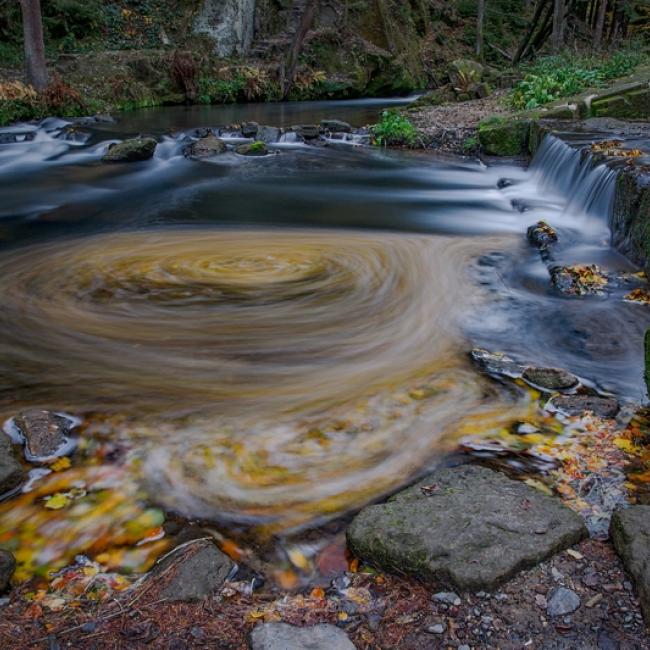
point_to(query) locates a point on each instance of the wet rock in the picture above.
(562, 601)
(256, 148)
(131, 150)
(307, 131)
(604, 407)
(206, 147)
(11, 471)
(542, 235)
(550, 378)
(282, 636)
(579, 280)
(45, 433)
(496, 363)
(7, 568)
(471, 530)
(250, 129)
(335, 126)
(630, 533)
(191, 571)
(268, 134)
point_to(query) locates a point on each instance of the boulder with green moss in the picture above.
(504, 136)
(257, 148)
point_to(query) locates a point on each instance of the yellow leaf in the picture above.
(298, 559)
(57, 501)
(538, 485)
(61, 464)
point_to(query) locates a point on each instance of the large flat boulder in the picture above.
(630, 532)
(282, 636)
(466, 526)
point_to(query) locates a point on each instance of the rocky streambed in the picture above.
(195, 439)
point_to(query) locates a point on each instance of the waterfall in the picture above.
(590, 186)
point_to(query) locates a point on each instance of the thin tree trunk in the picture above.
(292, 62)
(523, 46)
(479, 29)
(35, 67)
(558, 26)
(600, 24)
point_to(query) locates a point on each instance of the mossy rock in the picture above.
(627, 103)
(504, 137)
(253, 149)
(131, 150)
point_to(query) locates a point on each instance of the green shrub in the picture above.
(394, 129)
(552, 77)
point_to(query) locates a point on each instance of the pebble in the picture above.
(438, 628)
(562, 601)
(447, 597)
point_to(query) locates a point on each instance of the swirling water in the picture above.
(284, 339)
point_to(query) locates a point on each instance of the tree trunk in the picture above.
(523, 46)
(558, 26)
(35, 68)
(600, 25)
(292, 62)
(479, 29)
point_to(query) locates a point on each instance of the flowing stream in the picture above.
(281, 340)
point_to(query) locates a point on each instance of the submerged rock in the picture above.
(579, 280)
(562, 601)
(206, 147)
(542, 235)
(604, 407)
(468, 526)
(7, 568)
(191, 571)
(45, 433)
(131, 150)
(253, 149)
(630, 533)
(11, 471)
(282, 636)
(335, 126)
(550, 378)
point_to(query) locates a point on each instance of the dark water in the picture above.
(282, 339)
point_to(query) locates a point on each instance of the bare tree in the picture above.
(479, 29)
(35, 68)
(304, 26)
(600, 25)
(558, 25)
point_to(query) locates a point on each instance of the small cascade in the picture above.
(559, 168)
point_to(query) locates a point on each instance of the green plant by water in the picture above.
(394, 128)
